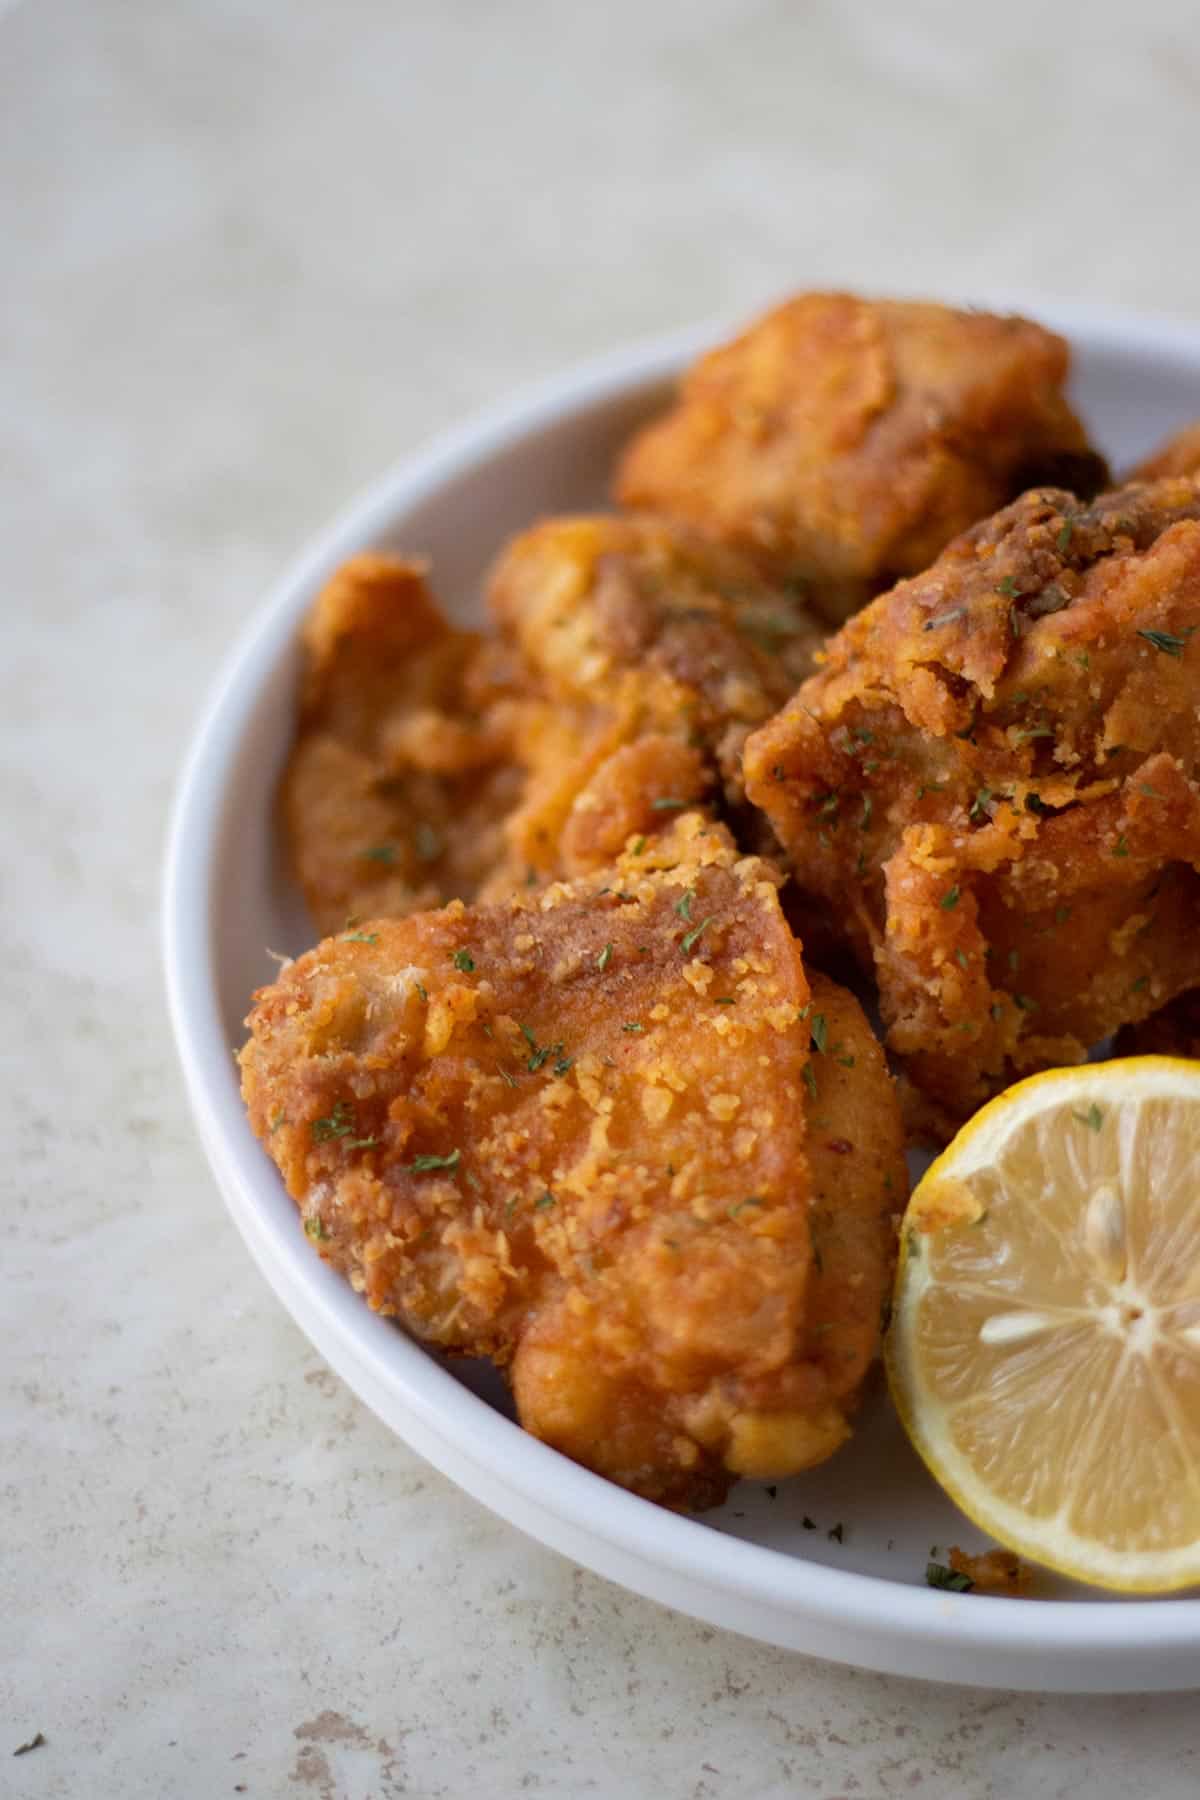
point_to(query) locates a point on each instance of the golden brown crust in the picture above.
(1180, 455)
(567, 1132)
(843, 442)
(634, 628)
(402, 769)
(993, 783)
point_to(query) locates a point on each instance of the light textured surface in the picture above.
(251, 254)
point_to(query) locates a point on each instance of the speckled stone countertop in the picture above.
(251, 255)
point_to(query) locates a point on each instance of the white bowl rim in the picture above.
(1097, 1631)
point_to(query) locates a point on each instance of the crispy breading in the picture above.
(992, 783)
(630, 628)
(403, 767)
(567, 1132)
(843, 442)
(1179, 455)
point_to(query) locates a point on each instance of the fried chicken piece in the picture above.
(843, 442)
(1180, 455)
(992, 784)
(568, 1133)
(633, 629)
(402, 769)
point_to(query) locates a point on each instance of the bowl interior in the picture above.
(1132, 389)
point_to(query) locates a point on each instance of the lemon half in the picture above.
(1044, 1350)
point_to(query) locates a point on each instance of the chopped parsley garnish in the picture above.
(380, 853)
(692, 938)
(979, 805)
(421, 989)
(962, 959)
(638, 846)
(1167, 642)
(820, 1032)
(1025, 1002)
(1033, 731)
(810, 1080)
(1121, 847)
(667, 805)
(604, 958)
(1062, 542)
(462, 959)
(563, 1064)
(950, 898)
(360, 937)
(338, 1124)
(1035, 804)
(725, 1000)
(1061, 914)
(684, 906)
(633, 1025)
(421, 1165)
(315, 1228)
(938, 1575)
(868, 808)
(543, 1201)
(1008, 588)
(1093, 1118)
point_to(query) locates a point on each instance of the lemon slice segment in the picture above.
(1044, 1351)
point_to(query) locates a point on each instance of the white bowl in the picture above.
(754, 1566)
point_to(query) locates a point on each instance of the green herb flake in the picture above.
(1062, 542)
(1121, 847)
(820, 1032)
(979, 805)
(633, 1026)
(1008, 588)
(692, 938)
(725, 1000)
(379, 853)
(421, 1165)
(684, 906)
(564, 1064)
(360, 937)
(637, 846)
(604, 958)
(1093, 1118)
(315, 1228)
(810, 1080)
(667, 805)
(1061, 914)
(868, 807)
(937, 1575)
(462, 959)
(422, 990)
(962, 959)
(1167, 642)
(509, 1080)
(544, 1201)
(339, 1124)
(1025, 1002)
(950, 898)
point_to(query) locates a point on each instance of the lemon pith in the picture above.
(1044, 1353)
